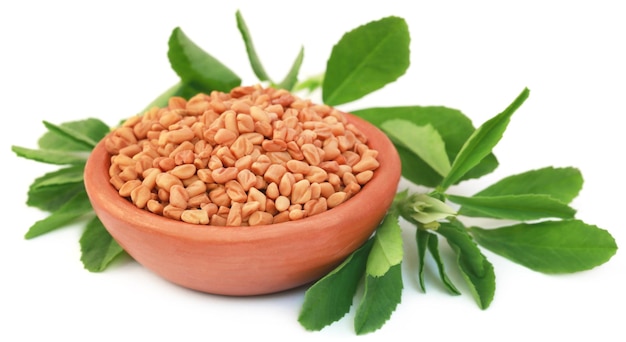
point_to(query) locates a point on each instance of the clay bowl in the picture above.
(243, 261)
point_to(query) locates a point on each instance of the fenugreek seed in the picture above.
(258, 114)
(217, 220)
(195, 216)
(226, 156)
(176, 102)
(311, 154)
(297, 166)
(184, 157)
(281, 217)
(179, 196)
(270, 206)
(253, 137)
(169, 118)
(316, 175)
(264, 128)
(166, 181)
(128, 187)
(364, 177)
(255, 195)
(180, 135)
(366, 163)
(248, 208)
(172, 212)
(272, 190)
(348, 178)
(205, 175)
(224, 174)
(210, 208)
(316, 190)
(224, 136)
(245, 123)
(235, 191)
(219, 197)
(165, 163)
(317, 207)
(335, 181)
(326, 189)
(352, 188)
(294, 150)
(301, 192)
(247, 179)
(140, 196)
(130, 150)
(128, 173)
(163, 195)
(330, 166)
(234, 215)
(274, 145)
(351, 158)
(282, 203)
(274, 172)
(286, 183)
(184, 171)
(297, 214)
(149, 177)
(336, 199)
(244, 163)
(260, 218)
(198, 200)
(155, 206)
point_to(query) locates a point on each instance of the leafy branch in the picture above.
(438, 147)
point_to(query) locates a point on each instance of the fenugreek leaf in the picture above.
(477, 271)
(565, 246)
(380, 299)
(90, 130)
(453, 127)
(563, 184)
(514, 207)
(366, 59)
(481, 142)
(253, 57)
(387, 249)
(52, 190)
(425, 141)
(310, 84)
(78, 137)
(330, 298)
(433, 248)
(196, 67)
(70, 211)
(55, 157)
(421, 239)
(68, 175)
(291, 78)
(98, 247)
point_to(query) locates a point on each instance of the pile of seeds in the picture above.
(249, 157)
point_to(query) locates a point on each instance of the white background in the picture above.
(62, 60)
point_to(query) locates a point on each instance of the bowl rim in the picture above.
(386, 175)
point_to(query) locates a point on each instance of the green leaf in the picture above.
(453, 127)
(387, 249)
(424, 141)
(421, 238)
(255, 61)
(366, 59)
(310, 84)
(476, 269)
(551, 246)
(481, 143)
(98, 247)
(515, 207)
(196, 67)
(291, 78)
(65, 176)
(52, 190)
(562, 184)
(429, 241)
(56, 157)
(91, 129)
(382, 296)
(330, 298)
(73, 209)
(76, 136)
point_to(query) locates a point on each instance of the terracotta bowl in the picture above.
(243, 261)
